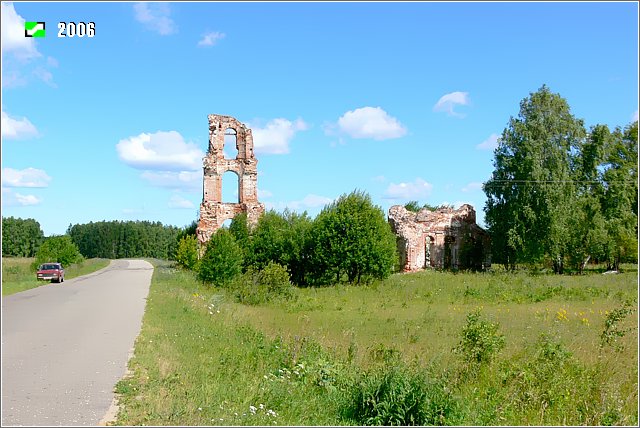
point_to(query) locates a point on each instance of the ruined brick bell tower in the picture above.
(213, 212)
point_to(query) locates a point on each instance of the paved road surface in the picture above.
(64, 346)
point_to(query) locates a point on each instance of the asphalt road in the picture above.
(64, 346)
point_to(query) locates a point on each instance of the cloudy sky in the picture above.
(402, 100)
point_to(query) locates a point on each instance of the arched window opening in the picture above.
(230, 188)
(230, 143)
(226, 223)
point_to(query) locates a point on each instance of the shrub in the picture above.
(612, 326)
(187, 253)
(59, 249)
(480, 339)
(222, 259)
(256, 287)
(352, 237)
(398, 395)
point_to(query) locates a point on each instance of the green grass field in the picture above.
(18, 274)
(202, 359)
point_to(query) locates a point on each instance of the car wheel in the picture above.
(62, 279)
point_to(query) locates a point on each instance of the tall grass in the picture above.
(18, 273)
(202, 359)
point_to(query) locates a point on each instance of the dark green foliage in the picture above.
(396, 395)
(20, 237)
(189, 230)
(187, 252)
(558, 193)
(120, 239)
(529, 193)
(480, 339)
(415, 206)
(351, 237)
(268, 240)
(620, 198)
(256, 287)
(240, 231)
(59, 249)
(222, 259)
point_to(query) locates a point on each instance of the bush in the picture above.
(352, 237)
(256, 287)
(397, 395)
(222, 259)
(187, 253)
(480, 339)
(59, 249)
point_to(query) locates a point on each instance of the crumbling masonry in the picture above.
(213, 212)
(443, 239)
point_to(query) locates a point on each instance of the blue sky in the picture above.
(402, 100)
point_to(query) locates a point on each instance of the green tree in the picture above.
(239, 228)
(587, 228)
(620, 199)
(20, 237)
(268, 240)
(187, 252)
(59, 249)
(352, 237)
(222, 259)
(531, 189)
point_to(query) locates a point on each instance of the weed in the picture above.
(612, 326)
(480, 339)
(398, 395)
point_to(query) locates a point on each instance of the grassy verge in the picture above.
(202, 359)
(18, 274)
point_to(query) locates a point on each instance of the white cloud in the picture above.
(635, 116)
(11, 199)
(156, 17)
(179, 202)
(309, 201)
(211, 38)
(490, 143)
(17, 128)
(473, 186)
(165, 151)
(447, 102)
(370, 122)
(45, 75)
(264, 194)
(13, 39)
(12, 79)
(52, 62)
(132, 211)
(187, 181)
(379, 179)
(274, 138)
(418, 189)
(29, 177)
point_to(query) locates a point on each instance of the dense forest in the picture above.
(123, 239)
(104, 239)
(21, 237)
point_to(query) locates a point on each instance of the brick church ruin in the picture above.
(213, 212)
(442, 239)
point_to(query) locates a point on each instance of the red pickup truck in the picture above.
(51, 271)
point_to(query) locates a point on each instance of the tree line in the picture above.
(125, 239)
(350, 240)
(559, 194)
(21, 237)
